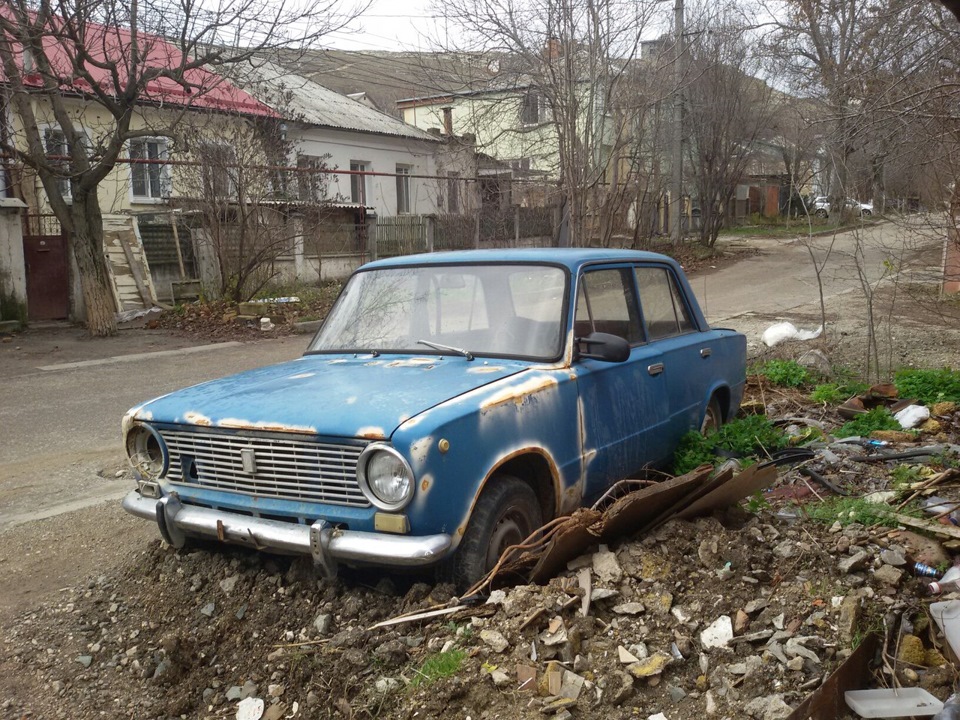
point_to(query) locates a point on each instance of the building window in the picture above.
(308, 179)
(358, 183)
(219, 169)
(520, 165)
(453, 192)
(150, 180)
(530, 108)
(58, 151)
(403, 189)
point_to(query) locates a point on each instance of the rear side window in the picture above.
(605, 303)
(663, 308)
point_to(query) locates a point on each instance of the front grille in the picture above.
(285, 468)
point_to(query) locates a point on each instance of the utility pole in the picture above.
(676, 163)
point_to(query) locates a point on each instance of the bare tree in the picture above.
(121, 57)
(727, 111)
(567, 57)
(834, 51)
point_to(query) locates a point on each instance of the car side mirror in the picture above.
(603, 346)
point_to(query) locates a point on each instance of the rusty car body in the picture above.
(450, 404)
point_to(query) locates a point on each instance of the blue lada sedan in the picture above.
(450, 405)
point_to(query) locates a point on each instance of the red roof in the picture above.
(107, 45)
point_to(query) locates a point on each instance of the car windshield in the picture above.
(497, 309)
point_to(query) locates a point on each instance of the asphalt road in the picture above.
(63, 396)
(60, 411)
(781, 277)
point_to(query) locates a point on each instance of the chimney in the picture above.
(448, 121)
(553, 49)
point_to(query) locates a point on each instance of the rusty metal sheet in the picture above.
(633, 512)
(695, 493)
(570, 541)
(827, 702)
(742, 485)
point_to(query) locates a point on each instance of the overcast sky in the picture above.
(388, 25)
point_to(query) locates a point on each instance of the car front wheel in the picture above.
(821, 213)
(506, 514)
(866, 213)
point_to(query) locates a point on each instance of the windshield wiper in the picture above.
(437, 346)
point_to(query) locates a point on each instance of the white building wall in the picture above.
(13, 278)
(382, 154)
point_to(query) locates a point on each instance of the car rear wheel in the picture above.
(506, 514)
(821, 213)
(712, 417)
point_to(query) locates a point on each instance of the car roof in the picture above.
(572, 258)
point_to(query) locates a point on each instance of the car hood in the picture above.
(330, 395)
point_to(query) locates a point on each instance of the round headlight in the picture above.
(146, 452)
(385, 477)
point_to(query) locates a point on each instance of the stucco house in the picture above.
(38, 265)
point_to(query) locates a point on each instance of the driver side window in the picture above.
(606, 303)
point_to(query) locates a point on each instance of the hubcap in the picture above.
(511, 529)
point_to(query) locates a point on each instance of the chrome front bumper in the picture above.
(324, 543)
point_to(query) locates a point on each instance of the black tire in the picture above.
(865, 213)
(712, 417)
(821, 213)
(506, 514)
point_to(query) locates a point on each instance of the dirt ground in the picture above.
(106, 622)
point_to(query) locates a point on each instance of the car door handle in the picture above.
(705, 352)
(655, 369)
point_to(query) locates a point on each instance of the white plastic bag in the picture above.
(778, 332)
(912, 415)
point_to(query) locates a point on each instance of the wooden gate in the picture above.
(47, 266)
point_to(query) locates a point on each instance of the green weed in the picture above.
(785, 373)
(848, 510)
(742, 437)
(757, 502)
(835, 393)
(438, 666)
(905, 475)
(929, 386)
(877, 419)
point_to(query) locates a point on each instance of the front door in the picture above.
(623, 405)
(48, 288)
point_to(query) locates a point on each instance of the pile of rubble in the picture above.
(755, 611)
(731, 616)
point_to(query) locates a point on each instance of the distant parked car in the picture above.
(821, 207)
(449, 406)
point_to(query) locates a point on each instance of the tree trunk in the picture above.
(87, 241)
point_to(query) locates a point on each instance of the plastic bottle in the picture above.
(950, 582)
(936, 505)
(951, 709)
(924, 570)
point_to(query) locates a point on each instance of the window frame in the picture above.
(676, 294)
(308, 182)
(358, 183)
(66, 191)
(164, 179)
(454, 203)
(404, 196)
(231, 179)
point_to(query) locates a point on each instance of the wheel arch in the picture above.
(533, 466)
